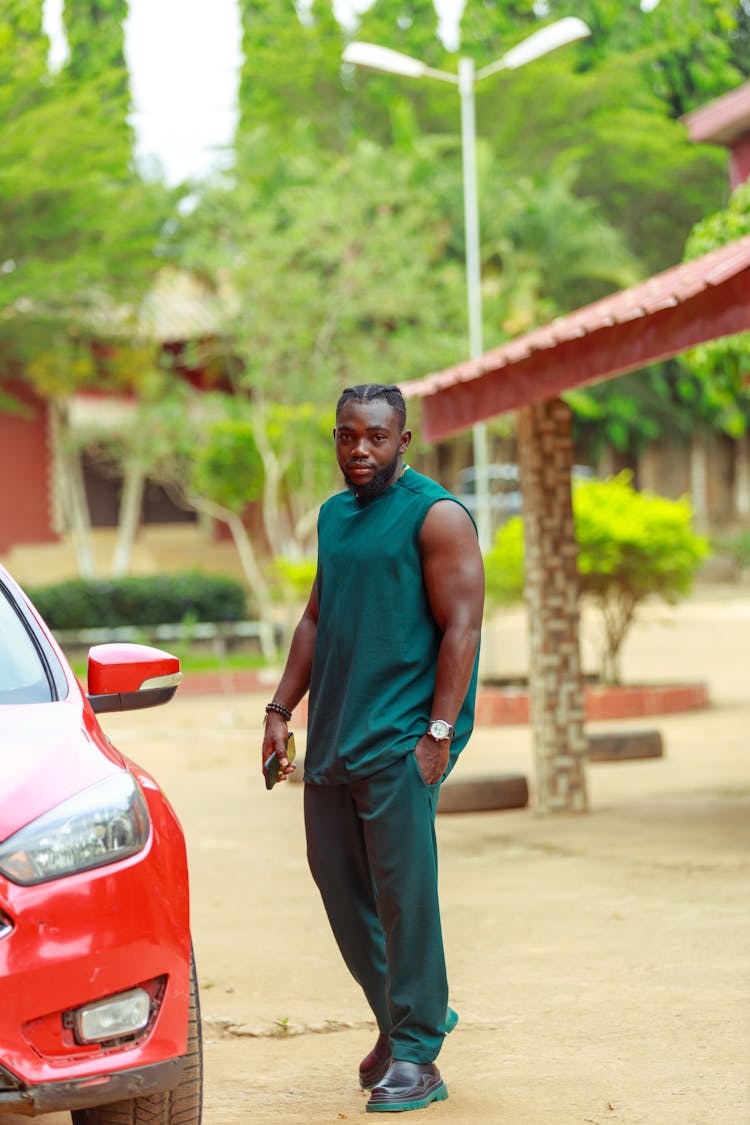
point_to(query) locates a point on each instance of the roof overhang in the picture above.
(689, 304)
(722, 121)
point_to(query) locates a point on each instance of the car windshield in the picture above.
(23, 677)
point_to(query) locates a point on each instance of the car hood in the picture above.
(48, 752)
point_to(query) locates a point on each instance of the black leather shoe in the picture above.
(407, 1085)
(375, 1065)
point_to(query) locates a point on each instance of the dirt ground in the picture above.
(600, 964)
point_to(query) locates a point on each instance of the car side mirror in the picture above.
(129, 677)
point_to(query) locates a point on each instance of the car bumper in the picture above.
(88, 937)
(82, 1093)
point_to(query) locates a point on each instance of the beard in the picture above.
(376, 485)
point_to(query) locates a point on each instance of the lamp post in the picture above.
(374, 57)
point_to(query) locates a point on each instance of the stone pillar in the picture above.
(555, 680)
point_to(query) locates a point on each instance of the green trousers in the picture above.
(373, 854)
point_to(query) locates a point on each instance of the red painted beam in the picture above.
(718, 310)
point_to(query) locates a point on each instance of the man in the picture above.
(388, 647)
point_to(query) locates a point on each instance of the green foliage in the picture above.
(721, 367)
(342, 269)
(95, 33)
(409, 26)
(489, 28)
(300, 437)
(687, 51)
(631, 546)
(648, 179)
(290, 75)
(338, 237)
(637, 542)
(371, 249)
(630, 412)
(161, 600)
(227, 467)
(504, 564)
(296, 576)
(609, 104)
(546, 250)
(78, 230)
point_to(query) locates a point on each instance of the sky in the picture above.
(184, 58)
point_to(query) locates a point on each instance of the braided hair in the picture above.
(366, 392)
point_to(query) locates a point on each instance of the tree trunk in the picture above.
(699, 480)
(129, 519)
(273, 521)
(550, 556)
(742, 478)
(72, 490)
(250, 567)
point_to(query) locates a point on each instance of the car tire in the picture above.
(181, 1106)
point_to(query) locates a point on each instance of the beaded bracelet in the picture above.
(280, 709)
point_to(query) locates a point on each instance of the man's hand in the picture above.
(274, 742)
(432, 758)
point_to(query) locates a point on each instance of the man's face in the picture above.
(369, 445)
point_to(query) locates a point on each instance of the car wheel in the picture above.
(181, 1106)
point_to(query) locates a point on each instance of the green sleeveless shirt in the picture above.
(375, 657)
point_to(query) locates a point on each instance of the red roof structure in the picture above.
(686, 305)
(726, 121)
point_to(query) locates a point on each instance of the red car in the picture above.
(98, 998)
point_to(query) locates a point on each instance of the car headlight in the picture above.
(107, 822)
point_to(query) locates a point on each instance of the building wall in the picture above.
(25, 515)
(665, 468)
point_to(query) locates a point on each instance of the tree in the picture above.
(546, 249)
(391, 109)
(95, 31)
(687, 51)
(290, 78)
(627, 414)
(649, 180)
(631, 546)
(201, 447)
(96, 40)
(78, 238)
(714, 376)
(334, 274)
(722, 366)
(409, 26)
(22, 22)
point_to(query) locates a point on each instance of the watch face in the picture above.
(440, 729)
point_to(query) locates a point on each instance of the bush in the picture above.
(296, 576)
(631, 545)
(164, 599)
(504, 564)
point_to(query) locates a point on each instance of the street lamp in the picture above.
(373, 57)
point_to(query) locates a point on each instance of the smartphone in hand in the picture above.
(271, 766)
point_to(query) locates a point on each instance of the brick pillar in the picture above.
(555, 682)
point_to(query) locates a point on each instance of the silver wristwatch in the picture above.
(440, 730)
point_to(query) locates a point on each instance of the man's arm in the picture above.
(293, 684)
(454, 577)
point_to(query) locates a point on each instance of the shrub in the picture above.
(296, 576)
(504, 564)
(159, 600)
(631, 545)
